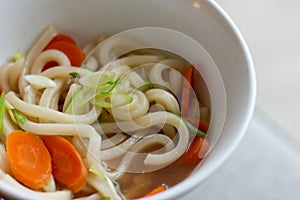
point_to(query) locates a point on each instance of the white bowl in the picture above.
(204, 21)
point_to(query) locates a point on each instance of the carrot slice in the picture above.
(62, 37)
(157, 190)
(186, 90)
(68, 167)
(198, 146)
(49, 65)
(29, 159)
(74, 52)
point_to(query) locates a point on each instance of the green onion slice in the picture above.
(96, 80)
(17, 56)
(190, 126)
(112, 100)
(95, 171)
(146, 86)
(74, 74)
(2, 110)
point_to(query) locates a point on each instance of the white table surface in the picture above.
(266, 164)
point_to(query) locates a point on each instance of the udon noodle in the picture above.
(123, 116)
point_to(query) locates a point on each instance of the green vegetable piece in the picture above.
(190, 126)
(105, 198)
(110, 87)
(74, 75)
(17, 56)
(19, 116)
(146, 86)
(2, 110)
(112, 100)
(95, 171)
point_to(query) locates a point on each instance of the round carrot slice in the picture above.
(29, 159)
(68, 167)
(74, 52)
(63, 37)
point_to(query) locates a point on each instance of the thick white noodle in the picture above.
(156, 75)
(137, 108)
(4, 164)
(136, 148)
(47, 56)
(135, 60)
(8, 180)
(64, 72)
(14, 74)
(37, 48)
(31, 95)
(175, 80)
(49, 98)
(101, 185)
(113, 141)
(4, 85)
(149, 120)
(135, 80)
(118, 150)
(52, 115)
(163, 98)
(73, 88)
(9, 126)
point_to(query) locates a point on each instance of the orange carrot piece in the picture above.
(74, 52)
(62, 37)
(157, 190)
(58, 38)
(29, 159)
(186, 90)
(191, 156)
(68, 167)
(198, 146)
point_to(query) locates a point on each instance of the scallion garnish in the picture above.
(190, 126)
(17, 56)
(146, 86)
(112, 100)
(105, 198)
(74, 74)
(2, 110)
(17, 116)
(95, 171)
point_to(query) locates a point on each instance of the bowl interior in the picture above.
(205, 22)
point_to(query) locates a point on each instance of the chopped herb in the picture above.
(146, 86)
(110, 87)
(2, 110)
(74, 75)
(105, 101)
(95, 171)
(193, 129)
(17, 56)
(105, 198)
(19, 116)
(190, 126)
